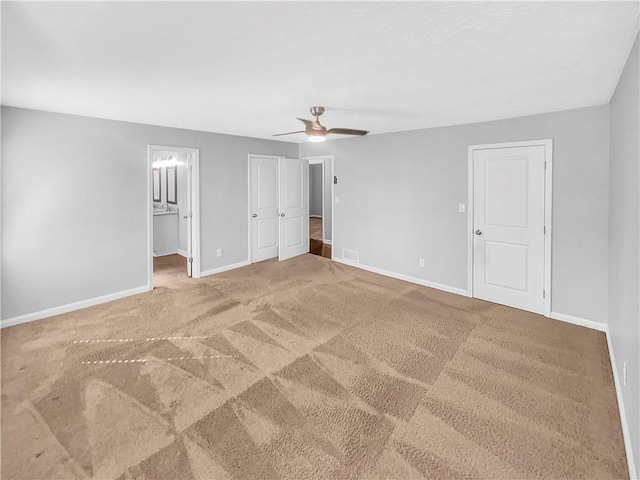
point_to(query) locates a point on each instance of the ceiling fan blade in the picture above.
(347, 131)
(288, 133)
(311, 125)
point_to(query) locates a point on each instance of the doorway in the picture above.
(321, 181)
(278, 207)
(509, 259)
(174, 247)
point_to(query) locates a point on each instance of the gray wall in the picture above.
(75, 204)
(399, 196)
(315, 189)
(624, 243)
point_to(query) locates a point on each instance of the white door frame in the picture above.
(194, 178)
(249, 211)
(548, 190)
(324, 159)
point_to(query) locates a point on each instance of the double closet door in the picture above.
(279, 207)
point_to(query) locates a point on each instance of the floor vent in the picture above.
(352, 255)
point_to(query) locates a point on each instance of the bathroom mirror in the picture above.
(172, 185)
(157, 185)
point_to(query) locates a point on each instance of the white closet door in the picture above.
(294, 207)
(509, 208)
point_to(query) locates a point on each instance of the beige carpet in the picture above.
(169, 269)
(306, 369)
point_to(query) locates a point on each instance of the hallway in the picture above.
(316, 245)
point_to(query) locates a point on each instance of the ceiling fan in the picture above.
(317, 132)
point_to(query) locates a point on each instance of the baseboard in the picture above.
(315, 216)
(328, 242)
(166, 254)
(182, 253)
(50, 312)
(557, 316)
(603, 327)
(406, 278)
(226, 268)
(626, 435)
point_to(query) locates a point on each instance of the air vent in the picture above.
(352, 255)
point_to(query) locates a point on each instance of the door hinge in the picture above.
(190, 168)
(190, 259)
(544, 229)
(544, 293)
(545, 165)
(190, 213)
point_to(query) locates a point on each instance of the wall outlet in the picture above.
(219, 252)
(624, 374)
(422, 263)
(461, 207)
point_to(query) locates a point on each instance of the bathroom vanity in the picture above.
(165, 232)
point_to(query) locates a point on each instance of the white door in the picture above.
(508, 225)
(264, 207)
(189, 215)
(294, 207)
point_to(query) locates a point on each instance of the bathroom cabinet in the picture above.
(165, 233)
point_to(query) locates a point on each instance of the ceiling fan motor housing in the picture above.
(317, 111)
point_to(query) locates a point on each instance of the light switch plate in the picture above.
(461, 207)
(337, 199)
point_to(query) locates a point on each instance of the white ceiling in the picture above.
(252, 68)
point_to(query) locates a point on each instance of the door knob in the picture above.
(254, 215)
(478, 232)
(282, 214)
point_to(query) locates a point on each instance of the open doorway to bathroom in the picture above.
(174, 252)
(321, 181)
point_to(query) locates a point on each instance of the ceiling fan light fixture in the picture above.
(317, 138)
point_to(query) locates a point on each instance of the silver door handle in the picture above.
(478, 232)
(254, 215)
(282, 214)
